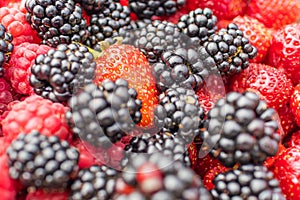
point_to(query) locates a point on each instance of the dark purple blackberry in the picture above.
(247, 182)
(145, 9)
(156, 176)
(59, 73)
(163, 142)
(157, 37)
(198, 24)
(6, 47)
(230, 50)
(102, 114)
(179, 112)
(241, 129)
(57, 22)
(92, 6)
(184, 67)
(113, 20)
(95, 182)
(38, 161)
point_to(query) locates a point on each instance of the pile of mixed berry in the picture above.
(149, 99)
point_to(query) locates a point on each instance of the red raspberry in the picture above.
(257, 33)
(43, 195)
(15, 22)
(21, 60)
(222, 9)
(7, 185)
(284, 52)
(36, 113)
(270, 83)
(274, 13)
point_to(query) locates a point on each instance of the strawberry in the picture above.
(210, 175)
(287, 120)
(287, 171)
(269, 162)
(274, 13)
(127, 62)
(295, 103)
(294, 140)
(257, 33)
(270, 83)
(222, 9)
(44, 195)
(284, 52)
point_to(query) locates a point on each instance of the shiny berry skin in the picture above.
(274, 13)
(271, 84)
(284, 52)
(295, 103)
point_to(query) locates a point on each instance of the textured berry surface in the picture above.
(19, 69)
(127, 62)
(43, 195)
(23, 116)
(295, 103)
(284, 52)
(286, 170)
(274, 13)
(271, 84)
(257, 33)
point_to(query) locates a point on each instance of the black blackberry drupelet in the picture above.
(57, 22)
(230, 50)
(158, 37)
(247, 182)
(145, 9)
(241, 129)
(198, 24)
(163, 142)
(95, 182)
(92, 6)
(183, 67)
(111, 21)
(180, 113)
(62, 71)
(156, 176)
(102, 115)
(6, 47)
(38, 161)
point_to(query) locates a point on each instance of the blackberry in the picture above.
(156, 176)
(102, 114)
(113, 20)
(95, 182)
(230, 50)
(59, 73)
(145, 9)
(91, 6)
(158, 37)
(38, 161)
(179, 112)
(164, 142)
(241, 129)
(6, 47)
(184, 67)
(247, 182)
(198, 24)
(57, 22)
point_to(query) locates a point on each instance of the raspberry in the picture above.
(36, 113)
(19, 68)
(7, 187)
(15, 22)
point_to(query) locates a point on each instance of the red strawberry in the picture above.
(258, 35)
(269, 162)
(294, 140)
(270, 83)
(222, 9)
(295, 103)
(127, 62)
(43, 195)
(274, 13)
(19, 69)
(287, 119)
(36, 113)
(287, 171)
(210, 175)
(284, 52)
